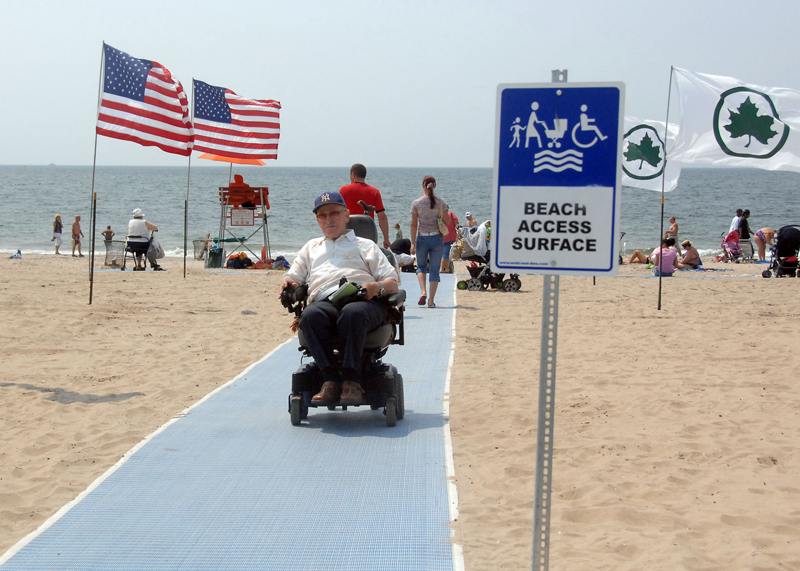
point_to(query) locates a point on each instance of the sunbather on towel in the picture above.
(691, 257)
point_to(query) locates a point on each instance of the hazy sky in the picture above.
(385, 83)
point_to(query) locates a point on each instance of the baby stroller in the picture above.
(731, 252)
(481, 276)
(783, 255)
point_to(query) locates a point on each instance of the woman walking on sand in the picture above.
(427, 242)
(58, 227)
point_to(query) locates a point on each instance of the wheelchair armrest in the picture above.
(396, 299)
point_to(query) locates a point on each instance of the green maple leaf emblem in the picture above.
(746, 121)
(644, 151)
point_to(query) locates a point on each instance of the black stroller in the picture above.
(481, 276)
(783, 255)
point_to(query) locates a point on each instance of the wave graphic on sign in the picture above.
(557, 162)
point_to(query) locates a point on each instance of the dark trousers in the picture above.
(322, 320)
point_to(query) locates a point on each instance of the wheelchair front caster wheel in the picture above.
(766, 274)
(296, 410)
(391, 412)
(462, 284)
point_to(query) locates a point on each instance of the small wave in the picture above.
(558, 162)
(558, 155)
(558, 169)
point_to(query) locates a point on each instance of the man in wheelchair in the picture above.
(320, 265)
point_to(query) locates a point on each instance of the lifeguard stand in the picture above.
(244, 206)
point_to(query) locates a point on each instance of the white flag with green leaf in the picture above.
(726, 122)
(644, 153)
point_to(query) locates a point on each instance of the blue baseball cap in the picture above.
(328, 198)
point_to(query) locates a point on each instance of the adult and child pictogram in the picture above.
(584, 134)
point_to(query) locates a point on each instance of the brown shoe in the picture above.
(329, 393)
(352, 393)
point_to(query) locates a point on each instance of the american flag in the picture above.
(143, 103)
(231, 126)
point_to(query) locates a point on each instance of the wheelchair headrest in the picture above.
(363, 226)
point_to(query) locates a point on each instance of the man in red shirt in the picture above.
(359, 190)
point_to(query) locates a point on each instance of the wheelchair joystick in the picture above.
(294, 299)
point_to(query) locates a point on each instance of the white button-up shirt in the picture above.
(322, 262)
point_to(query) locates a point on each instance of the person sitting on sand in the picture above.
(691, 257)
(665, 258)
(638, 257)
(320, 264)
(764, 238)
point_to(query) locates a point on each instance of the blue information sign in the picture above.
(557, 178)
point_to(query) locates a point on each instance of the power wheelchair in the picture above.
(382, 383)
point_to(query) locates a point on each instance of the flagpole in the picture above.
(186, 202)
(663, 184)
(93, 203)
(186, 215)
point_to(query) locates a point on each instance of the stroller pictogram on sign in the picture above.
(560, 127)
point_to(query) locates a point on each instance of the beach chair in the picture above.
(138, 251)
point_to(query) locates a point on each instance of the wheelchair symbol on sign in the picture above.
(586, 124)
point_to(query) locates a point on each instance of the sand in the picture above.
(675, 430)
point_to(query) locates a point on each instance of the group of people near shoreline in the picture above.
(763, 237)
(77, 234)
(666, 260)
(429, 244)
(137, 232)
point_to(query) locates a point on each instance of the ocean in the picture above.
(31, 196)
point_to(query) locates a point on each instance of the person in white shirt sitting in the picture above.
(139, 231)
(320, 264)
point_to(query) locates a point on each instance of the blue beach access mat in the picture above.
(232, 485)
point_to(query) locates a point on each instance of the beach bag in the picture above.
(156, 247)
(442, 224)
(456, 250)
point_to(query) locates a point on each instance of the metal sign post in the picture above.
(555, 212)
